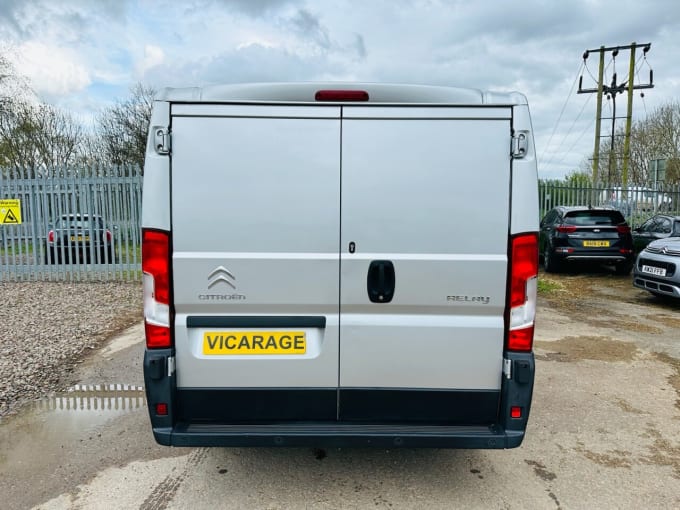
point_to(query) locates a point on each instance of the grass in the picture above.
(15, 249)
(548, 286)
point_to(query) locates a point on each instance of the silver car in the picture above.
(657, 268)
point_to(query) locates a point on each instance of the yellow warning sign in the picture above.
(10, 211)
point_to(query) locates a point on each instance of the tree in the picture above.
(655, 137)
(38, 137)
(122, 129)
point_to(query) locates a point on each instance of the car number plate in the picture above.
(80, 238)
(596, 244)
(658, 271)
(254, 342)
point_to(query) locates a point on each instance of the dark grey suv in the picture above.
(598, 235)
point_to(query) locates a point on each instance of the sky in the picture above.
(83, 55)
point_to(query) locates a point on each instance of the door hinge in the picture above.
(507, 368)
(520, 144)
(161, 137)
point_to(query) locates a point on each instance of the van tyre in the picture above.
(549, 263)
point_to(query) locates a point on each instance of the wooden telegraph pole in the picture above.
(611, 91)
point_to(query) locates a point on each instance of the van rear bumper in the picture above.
(339, 435)
(309, 417)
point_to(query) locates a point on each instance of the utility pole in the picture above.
(611, 91)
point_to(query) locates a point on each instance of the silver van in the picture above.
(339, 264)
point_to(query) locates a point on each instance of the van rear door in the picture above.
(425, 223)
(255, 235)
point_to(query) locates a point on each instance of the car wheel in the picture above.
(624, 268)
(549, 263)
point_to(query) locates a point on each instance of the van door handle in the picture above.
(380, 281)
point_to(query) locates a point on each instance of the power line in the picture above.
(573, 85)
(564, 139)
(569, 151)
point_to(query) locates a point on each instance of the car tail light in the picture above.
(566, 229)
(623, 229)
(156, 275)
(108, 236)
(522, 293)
(50, 236)
(341, 95)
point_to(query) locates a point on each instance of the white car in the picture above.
(657, 268)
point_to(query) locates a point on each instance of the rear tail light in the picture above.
(566, 229)
(522, 294)
(623, 229)
(108, 236)
(156, 275)
(50, 236)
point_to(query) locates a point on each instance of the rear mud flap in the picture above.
(516, 393)
(159, 381)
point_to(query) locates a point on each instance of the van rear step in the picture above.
(339, 435)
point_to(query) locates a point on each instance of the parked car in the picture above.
(659, 226)
(657, 268)
(78, 238)
(636, 198)
(586, 234)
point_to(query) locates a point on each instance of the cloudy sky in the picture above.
(84, 54)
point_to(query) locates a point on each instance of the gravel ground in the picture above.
(46, 328)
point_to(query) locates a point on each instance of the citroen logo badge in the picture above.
(221, 274)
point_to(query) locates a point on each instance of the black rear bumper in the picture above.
(385, 418)
(339, 435)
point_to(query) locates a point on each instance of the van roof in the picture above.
(305, 92)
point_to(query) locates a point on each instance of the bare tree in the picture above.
(123, 127)
(655, 137)
(38, 137)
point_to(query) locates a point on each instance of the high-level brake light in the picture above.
(341, 95)
(156, 275)
(522, 295)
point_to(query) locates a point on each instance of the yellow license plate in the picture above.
(254, 342)
(80, 238)
(596, 244)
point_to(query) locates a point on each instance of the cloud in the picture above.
(153, 56)
(256, 8)
(252, 63)
(360, 46)
(304, 23)
(52, 71)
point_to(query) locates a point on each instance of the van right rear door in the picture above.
(425, 222)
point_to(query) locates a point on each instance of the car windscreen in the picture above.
(79, 223)
(594, 218)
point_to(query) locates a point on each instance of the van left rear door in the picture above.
(255, 233)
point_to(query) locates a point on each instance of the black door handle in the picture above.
(380, 281)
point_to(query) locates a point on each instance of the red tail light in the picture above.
(522, 292)
(50, 236)
(341, 95)
(623, 229)
(566, 229)
(108, 236)
(156, 274)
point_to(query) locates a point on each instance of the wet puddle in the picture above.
(92, 400)
(75, 415)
